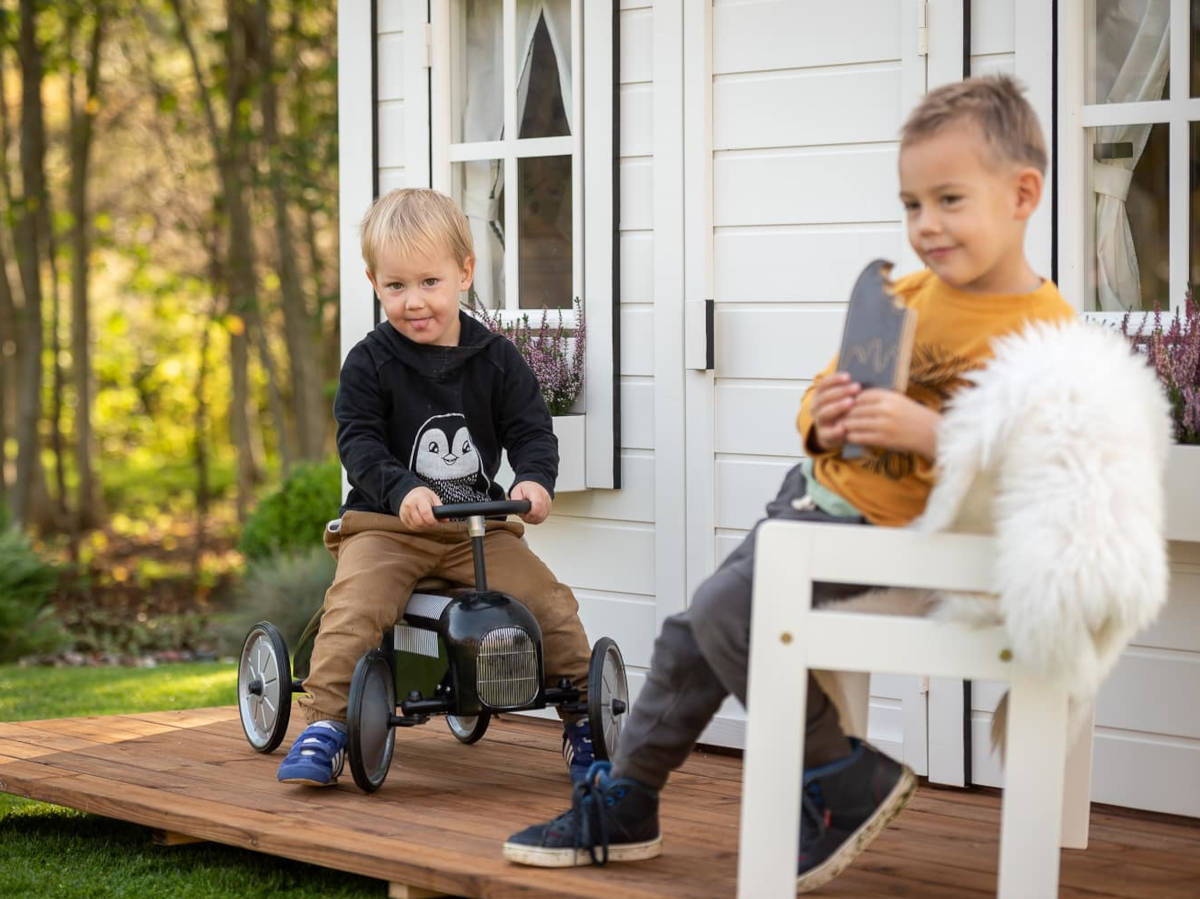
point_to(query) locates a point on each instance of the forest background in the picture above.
(168, 318)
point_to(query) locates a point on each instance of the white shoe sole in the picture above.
(891, 806)
(306, 782)
(541, 857)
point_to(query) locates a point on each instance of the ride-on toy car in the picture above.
(463, 652)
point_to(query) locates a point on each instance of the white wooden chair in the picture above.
(1046, 797)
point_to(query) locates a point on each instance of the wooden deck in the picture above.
(438, 822)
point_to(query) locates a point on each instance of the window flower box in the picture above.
(1183, 492)
(571, 432)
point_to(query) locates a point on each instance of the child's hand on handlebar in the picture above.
(539, 501)
(416, 511)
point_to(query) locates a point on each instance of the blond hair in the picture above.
(994, 103)
(415, 221)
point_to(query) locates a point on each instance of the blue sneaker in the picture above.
(317, 756)
(577, 749)
(610, 819)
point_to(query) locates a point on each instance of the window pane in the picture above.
(479, 189)
(544, 210)
(1194, 202)
(543, 68)
(1128, 50)
(477, 81)
(1129, 214)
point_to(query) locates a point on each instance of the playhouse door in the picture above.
(790, 118)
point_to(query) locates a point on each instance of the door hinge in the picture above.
(429, 45)
(922, 27)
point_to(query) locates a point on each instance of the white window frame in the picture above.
(1076, 116)
(591, 147)
(511, 148)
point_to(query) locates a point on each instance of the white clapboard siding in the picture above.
(775, 341)
(637, 339)
(391, 89)
(797, 262)
(784, 34)
(993, 41)
(637, 266)
(807, 185)
(758, 417)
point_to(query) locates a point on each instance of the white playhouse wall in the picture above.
(801, 193)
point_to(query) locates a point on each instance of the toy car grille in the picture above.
(506, 672)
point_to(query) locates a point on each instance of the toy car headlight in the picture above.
(506, 668)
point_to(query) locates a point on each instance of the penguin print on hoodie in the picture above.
(445, 457)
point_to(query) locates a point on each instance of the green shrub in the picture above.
(293, 517)
(285, 589)
(27, 583)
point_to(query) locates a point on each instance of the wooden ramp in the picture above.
(436, 825)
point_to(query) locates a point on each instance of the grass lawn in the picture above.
(46, 850)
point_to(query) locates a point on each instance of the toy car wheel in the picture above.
(469, 728)
(608, 697)
(370, 736)
(264, 687)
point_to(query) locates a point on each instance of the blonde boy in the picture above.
(972, 162)
(425, 404)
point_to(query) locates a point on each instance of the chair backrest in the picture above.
(1058, 448)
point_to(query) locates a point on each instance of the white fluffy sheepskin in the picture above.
(1059, 449)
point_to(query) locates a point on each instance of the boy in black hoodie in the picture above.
(425, 404)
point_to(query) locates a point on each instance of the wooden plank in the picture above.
(172, 838)
(437, 823)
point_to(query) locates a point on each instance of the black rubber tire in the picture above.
(607, 682)
(370, 735)
(264, 714)
(473, 729)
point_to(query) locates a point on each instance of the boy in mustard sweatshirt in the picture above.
(972, 162)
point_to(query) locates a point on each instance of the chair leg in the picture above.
(1031, 818)
(1077, 792)
(776, 698)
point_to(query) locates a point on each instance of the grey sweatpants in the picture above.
(701, 656)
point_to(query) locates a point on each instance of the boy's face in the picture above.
(419, 294)
(966, 210)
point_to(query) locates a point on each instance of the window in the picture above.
(1137, 136)
(522, 132)
(513, 159)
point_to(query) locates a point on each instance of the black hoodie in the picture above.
(412, 415)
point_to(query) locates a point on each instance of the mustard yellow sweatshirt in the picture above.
(954, 333)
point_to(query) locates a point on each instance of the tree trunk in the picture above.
(231, 156)
(30, 483)
(302, 346)
(88, 510)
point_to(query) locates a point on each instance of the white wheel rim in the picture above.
(259, 711)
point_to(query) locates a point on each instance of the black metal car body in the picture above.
(462, 652)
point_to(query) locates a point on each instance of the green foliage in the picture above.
(285, 589)
(293, 517)
(27, 582)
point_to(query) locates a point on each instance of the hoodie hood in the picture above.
(436, 362)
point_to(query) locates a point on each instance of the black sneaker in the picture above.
(609, 820)
(844, 806)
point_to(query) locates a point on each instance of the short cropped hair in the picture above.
(994, 103)
(415, 221)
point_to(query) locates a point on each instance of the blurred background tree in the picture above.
(168, 276)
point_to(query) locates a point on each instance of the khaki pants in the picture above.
(379, 561)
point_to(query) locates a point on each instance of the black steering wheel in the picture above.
(487, 510)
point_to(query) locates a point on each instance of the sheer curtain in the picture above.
(1132, 59)
(483, 120)
(483, 116)
(557, 14)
